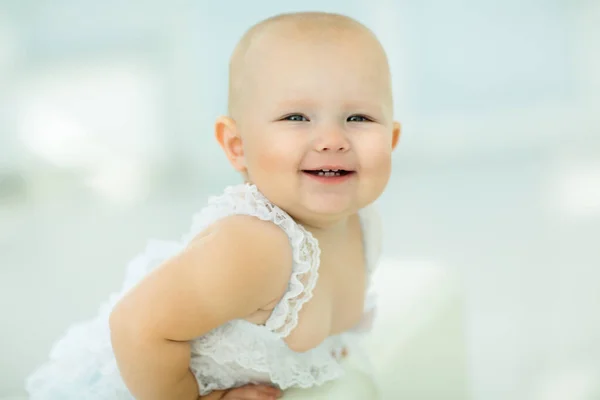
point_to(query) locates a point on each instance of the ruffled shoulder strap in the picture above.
(246, 199)
(305, 272)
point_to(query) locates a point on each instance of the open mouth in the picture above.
(328, 172)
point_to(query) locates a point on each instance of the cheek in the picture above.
(380, 171)
(376, 156)
(271, 156)
(375, 160)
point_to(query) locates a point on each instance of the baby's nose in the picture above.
(333, 140)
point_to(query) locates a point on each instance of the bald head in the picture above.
(286, 29)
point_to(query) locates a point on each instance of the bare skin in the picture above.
(308, 91)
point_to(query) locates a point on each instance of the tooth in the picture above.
(328, 172)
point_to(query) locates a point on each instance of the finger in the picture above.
(254, 392)
(268, 389)
(271, 390)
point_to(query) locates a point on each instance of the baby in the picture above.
(268, 292)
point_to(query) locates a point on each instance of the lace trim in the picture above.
(245, 199)
(218, 363)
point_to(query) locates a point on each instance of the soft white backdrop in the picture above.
(491, 275)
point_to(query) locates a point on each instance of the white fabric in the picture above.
(82, 364)
(355, 384)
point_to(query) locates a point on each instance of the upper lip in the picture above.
(330, 167)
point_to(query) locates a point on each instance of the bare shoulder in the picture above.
(234, 268)
(250, 236)
(257, 253)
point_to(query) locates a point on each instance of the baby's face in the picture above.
(310, 105)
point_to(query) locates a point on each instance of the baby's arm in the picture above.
(241, 265)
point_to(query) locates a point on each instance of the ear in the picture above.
(396, 134)
(227, 135)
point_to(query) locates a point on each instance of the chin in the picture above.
(332, 206)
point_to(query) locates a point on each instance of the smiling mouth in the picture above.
(328, 172)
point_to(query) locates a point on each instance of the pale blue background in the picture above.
(491, 279)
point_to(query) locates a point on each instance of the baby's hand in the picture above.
(252, 392)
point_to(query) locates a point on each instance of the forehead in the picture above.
(292, 68)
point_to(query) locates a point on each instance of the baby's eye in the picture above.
(295, 118)
(358, 118)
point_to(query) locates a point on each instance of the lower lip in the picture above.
(331, 180)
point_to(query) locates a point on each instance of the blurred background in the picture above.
(490, 280)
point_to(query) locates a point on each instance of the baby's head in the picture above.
(311, 92)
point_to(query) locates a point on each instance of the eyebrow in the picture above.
(295, 103)
(364, 105)
(351, 105)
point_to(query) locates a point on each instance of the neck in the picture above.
(328, 226)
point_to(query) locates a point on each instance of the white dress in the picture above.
(82, 365)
